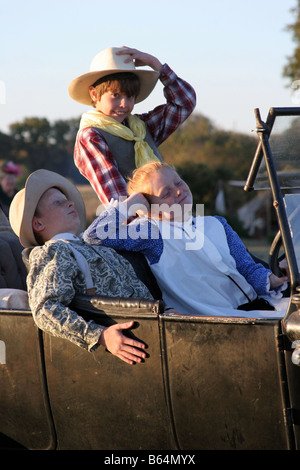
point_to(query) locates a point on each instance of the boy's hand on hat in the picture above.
(139, 58)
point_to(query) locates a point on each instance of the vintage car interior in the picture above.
(208, 383)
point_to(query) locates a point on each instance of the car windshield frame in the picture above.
(274, 168)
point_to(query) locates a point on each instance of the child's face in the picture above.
(166, 187)
(8, 183)
(115, 104)
(56, 213)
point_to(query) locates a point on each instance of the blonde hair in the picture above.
(139, 182)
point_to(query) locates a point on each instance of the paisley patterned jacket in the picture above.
(55, 276)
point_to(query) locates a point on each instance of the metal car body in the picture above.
(208, 383)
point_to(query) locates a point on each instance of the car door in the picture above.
(24, 409)
(227, 389)
(99, 401)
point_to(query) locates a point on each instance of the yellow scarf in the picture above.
(136, 131)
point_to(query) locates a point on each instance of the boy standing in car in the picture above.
(111, 141)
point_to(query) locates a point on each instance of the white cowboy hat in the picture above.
(107, 62)
(24, 203)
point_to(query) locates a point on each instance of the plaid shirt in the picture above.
(93, 157)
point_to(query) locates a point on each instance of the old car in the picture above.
(208, 383)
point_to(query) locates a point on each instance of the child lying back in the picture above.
(200, 263)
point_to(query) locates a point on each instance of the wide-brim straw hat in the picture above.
(107, 62)
(24, 203)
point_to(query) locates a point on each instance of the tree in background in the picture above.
(292, 68)
(36, 143)
(199, 141)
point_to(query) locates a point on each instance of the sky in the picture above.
(231, 51)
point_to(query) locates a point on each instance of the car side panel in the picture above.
(225, 383)
(100, 402)
(293, 380)
(25, 415)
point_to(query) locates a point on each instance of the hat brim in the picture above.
(24, 204)
(79, 87)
